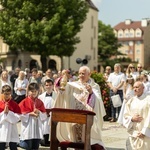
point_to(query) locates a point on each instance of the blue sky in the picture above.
(114, 11)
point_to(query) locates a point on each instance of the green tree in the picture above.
(107, 42)
(47, 27)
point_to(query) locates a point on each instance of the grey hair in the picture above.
(117, 65)
(86, 68)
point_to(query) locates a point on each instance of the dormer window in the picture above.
(138, 34)
(120, 35)
(127, 35)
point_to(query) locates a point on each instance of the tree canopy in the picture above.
(107, 42)
(47, 27)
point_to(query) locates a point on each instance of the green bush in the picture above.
(100, 80)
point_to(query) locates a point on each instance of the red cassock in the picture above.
(28, 105)
(12, 106)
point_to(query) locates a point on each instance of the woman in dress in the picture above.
(128, 93)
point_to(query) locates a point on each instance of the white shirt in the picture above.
(21, 84)
(116, 79)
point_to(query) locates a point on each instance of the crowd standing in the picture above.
(32, 92)
(133, 86)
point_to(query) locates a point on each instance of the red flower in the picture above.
(106, 98)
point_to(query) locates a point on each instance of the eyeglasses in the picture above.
(139, 67)
(132, 67)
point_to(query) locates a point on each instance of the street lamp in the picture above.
(81, 61)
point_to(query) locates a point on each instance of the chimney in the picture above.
(128, 21)
(144, 22)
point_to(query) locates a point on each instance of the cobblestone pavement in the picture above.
(113, 134)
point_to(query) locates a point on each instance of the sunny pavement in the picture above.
(114, 136)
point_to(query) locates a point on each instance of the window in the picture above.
(138, 51)
(120, 35)
(126, 43)
(92, 22)
(131, 34)
(138, 34)
(138, 42)
(131, 51)
(94, 53)
(127, 35)
(94, 32)
(126, 51)
(137, 59)
(91, 43)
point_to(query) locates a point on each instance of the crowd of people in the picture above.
(121, 82)
(25, 96)
(133, 87)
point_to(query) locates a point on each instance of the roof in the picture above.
(92, 5)
(133, 25)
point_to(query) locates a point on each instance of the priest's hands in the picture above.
(136, 118)
(140, 135)
(89, 88)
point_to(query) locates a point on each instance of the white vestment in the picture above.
(127, 95)
(31, 127)
(68, 99)
(8, 127)
(138, 105)
(48, 104)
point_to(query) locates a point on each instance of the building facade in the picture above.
(86, 49)
(134, 36)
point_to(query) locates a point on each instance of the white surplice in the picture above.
(8, 127)
(48, 103)
(138, 105)
(31, 127)
(68, 99)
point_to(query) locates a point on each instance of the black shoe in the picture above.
(47, 144)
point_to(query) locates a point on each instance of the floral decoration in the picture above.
(100, 80)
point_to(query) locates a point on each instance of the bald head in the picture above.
(87, 69)
(84, 73)
(138, 88)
